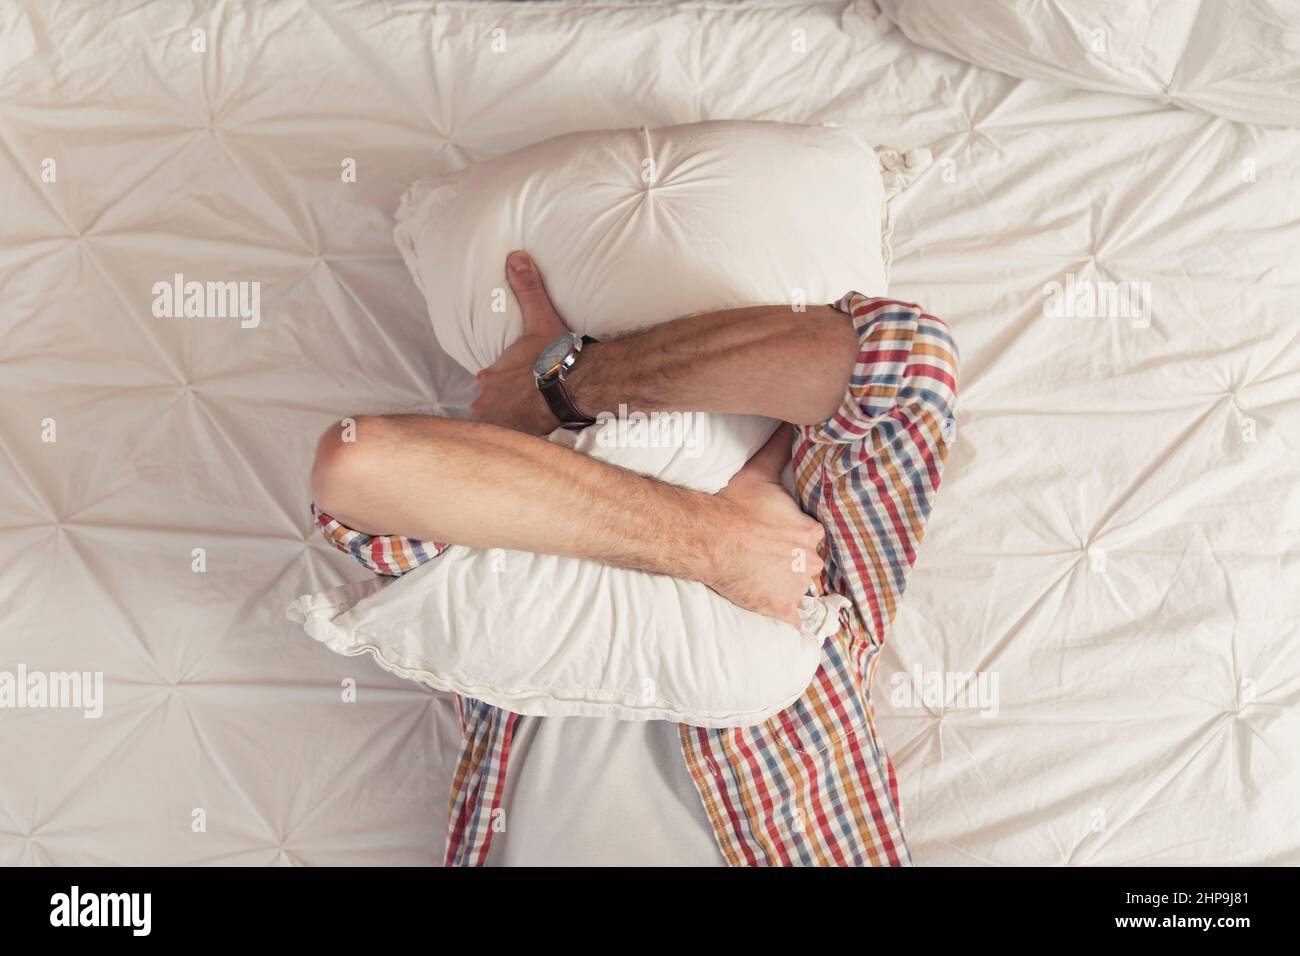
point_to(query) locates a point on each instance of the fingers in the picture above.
(815, 530)
(540, 317)
(810, 565)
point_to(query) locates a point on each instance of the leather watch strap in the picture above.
(561, 402)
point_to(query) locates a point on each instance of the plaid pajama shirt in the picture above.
(813, 785)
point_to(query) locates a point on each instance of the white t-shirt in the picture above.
(588, 791)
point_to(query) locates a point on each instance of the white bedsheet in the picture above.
(1116, 542)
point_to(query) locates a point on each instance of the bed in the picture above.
(1098, 662)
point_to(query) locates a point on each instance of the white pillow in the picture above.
(629, 228)
(1239, 59)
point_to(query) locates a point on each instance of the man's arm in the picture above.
(761, 360)
(484, 486)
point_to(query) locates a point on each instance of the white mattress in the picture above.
(1107, 542)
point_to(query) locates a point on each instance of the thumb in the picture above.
(540, 317)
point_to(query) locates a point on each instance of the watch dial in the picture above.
(553, 355)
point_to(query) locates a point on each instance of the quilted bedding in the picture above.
(1097, 661)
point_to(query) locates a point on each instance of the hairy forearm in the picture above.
(484, 486)
(762, 360)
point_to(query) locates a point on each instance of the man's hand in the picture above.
(766, 560)
(507, 391)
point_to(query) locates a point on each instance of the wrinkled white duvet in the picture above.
(1115, 550)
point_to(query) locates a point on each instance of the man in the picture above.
(869, 385)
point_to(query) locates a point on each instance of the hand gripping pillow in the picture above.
(629, 228)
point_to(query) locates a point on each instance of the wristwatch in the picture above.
(549, 371)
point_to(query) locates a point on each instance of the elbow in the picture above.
(344, 465)
(832, 358)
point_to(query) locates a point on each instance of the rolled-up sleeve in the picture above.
(391, 555)
(870, 472)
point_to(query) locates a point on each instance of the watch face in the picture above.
(553, 355)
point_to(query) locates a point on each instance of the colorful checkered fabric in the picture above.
(389, 554)
(813, 785)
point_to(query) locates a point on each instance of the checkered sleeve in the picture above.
(388, 554)
(870, 472)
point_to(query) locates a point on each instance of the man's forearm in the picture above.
(484, 486)
(761, 360)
